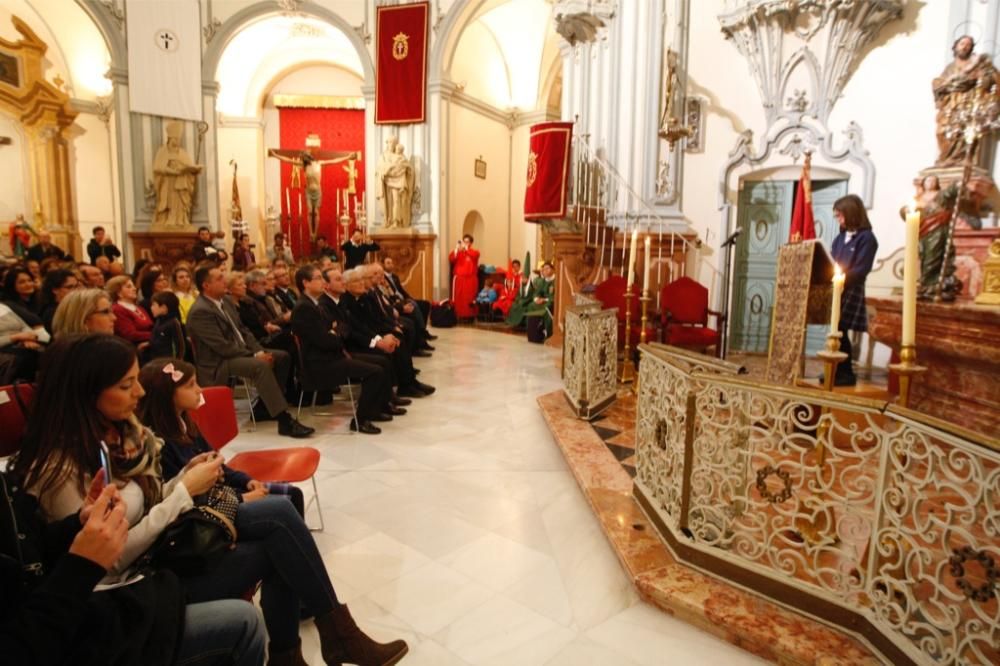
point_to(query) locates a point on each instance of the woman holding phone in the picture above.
(90, 387)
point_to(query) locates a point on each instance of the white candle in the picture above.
(911, 272)
(645, 269)
(838, 290)
(288, 203)
(338, 202)
(631, 258)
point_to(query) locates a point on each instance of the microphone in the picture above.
(732, 237)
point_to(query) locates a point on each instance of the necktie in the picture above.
(236, 329)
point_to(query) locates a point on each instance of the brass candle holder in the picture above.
(817, 530)
(906, 369)
(626, 372)
(644, 300)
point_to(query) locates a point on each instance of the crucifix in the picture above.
(311, 160)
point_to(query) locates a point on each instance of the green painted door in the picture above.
(765, 213)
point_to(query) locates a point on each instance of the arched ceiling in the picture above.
(504, 52)
(260, 52)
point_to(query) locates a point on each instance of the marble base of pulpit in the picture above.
(413, 254)
(960, 345)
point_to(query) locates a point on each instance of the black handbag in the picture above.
(198, 538)
(443, 315)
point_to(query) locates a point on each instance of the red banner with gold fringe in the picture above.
(548, 171)
(401, 63)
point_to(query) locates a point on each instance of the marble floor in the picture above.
(461, 529)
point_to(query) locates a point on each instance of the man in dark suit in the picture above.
(406, 311)
(101, 246)
(283, 288)
(203, 248)
(410, 304)
(355, 250)
(383, 315)
(326, 359)
(44, 249)
(371, 335)
(225, 348)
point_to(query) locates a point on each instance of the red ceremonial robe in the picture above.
(465, 268)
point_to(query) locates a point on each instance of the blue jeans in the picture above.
(221, 632)
(274, 546)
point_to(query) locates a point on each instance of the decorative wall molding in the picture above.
(765, 30)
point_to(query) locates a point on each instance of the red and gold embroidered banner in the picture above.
(548, 171)
(401, 63)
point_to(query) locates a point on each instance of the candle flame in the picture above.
(837, 273)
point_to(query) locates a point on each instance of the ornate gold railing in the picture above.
(590, 351)
(873, 518)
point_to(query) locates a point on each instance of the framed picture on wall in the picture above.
(480, 168)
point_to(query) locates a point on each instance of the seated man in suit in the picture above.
(405, 306)
(283, 288)
(389, 265)
(371, 335)
(382, 312)
(325, 357)
(225, 348)
(257, 314)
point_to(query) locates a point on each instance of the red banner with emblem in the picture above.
(401, 63)
(548, 171)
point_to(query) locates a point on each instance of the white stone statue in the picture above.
(174, 174)
(395, 179)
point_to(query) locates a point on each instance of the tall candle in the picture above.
(631, 258)
(300, 204)
(838, 290)
(645, 269)
(338, 203)
(288, 204)
(911, 271)
(345, 200)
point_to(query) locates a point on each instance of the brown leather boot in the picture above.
(291, 657)
(342, 642)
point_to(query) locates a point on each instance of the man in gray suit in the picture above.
(225, 348)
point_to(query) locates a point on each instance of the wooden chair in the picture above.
(216, 419)
(684, 306)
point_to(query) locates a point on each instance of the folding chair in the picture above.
(234, 381)
(216, 419)
(306, 384)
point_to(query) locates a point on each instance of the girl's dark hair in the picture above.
(156, 408)
(10, 282)
(52, 281)
(148, 280)
(853, 210)
(169, 299)
(62, 439)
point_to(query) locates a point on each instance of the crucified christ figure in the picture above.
(312, 162)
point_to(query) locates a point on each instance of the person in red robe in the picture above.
(511, 288)
(465, 281)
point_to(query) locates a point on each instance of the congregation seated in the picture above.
(44, 249)
(417, 309)
(282, 291)
(132, 322)
(93, 383)
(169, 338)
(280, 251)
(55, 285)
(225, 348)
(84, 311)
(154, 281)
(324, 249)
(182, 283)
(259, 312)
(243, 256)
(324, 356)
(20, 295)
(20, 347)
(91, 276)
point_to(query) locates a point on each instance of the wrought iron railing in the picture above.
(876, 519)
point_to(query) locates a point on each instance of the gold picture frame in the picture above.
(480, 170)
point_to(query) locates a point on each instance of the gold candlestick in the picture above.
(906, 369)
(644, 299)
(626, 373)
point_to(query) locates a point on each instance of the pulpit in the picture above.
(590, 352)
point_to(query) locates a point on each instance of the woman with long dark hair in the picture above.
(854, 251)
(56, 284)
(20, 292)
(153, 282)
(90, 389)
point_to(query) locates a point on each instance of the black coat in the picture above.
(354, 255)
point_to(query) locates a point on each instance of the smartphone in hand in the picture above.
(105, 455)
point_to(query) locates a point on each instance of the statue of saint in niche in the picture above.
(174, 174)
(395, 179)
(958, 86)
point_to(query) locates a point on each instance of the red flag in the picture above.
(548, 169)
(401, 64)
(803, 225)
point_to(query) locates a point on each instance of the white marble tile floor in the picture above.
(461, 530)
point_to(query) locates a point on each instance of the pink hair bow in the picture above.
(174, 373)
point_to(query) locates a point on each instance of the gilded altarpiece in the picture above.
(44, 113)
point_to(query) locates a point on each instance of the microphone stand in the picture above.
(727, 246)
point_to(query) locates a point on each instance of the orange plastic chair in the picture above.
(685, 316)
(13, 418)
(217, 421)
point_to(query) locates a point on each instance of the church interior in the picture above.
(704, 300)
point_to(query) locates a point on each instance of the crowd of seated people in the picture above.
(118, 360)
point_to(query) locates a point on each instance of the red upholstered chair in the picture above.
(684, 304)
(13, 417)
(611, 293)
(217, 421)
